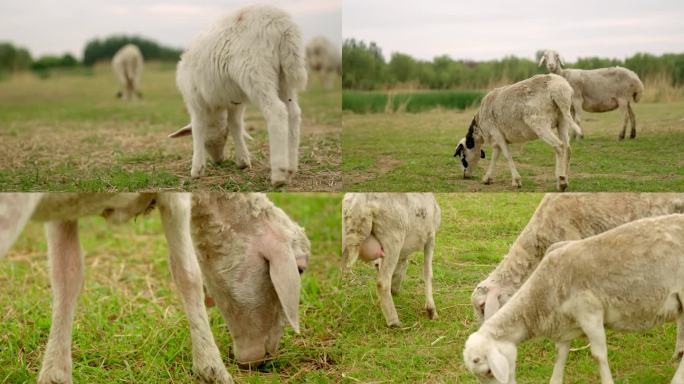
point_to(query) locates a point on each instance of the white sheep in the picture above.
(628, 278)
(390, 227)
(245, 232)
(538, 107)
(257, 55)
(127, 64)
(561, 217)
(324, 57)
(599, 90)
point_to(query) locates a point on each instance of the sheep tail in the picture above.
(357, 223)
(292, 62)
(638, 92)
(562, 99)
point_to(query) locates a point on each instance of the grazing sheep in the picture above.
(565, 217)
(256, 55)
(599, 90)
(127, 64)
(538, 107)
(628, 278)
(261, 302)
(324, 57)
(390, 227)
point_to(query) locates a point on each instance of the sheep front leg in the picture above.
(66, 277)
(384, 282)
(199, 135)
(592, 325)
(237, 131)
(206, 359)
(577, 116)
(430, 307)
(514, 172)
(487, 179)
(399, 273)
(275, 112)
(294, 125)
(562, 350)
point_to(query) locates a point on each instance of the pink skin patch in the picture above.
(371, 249)
(208, 300)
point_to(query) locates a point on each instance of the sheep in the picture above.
(127, 64)
(599, 90)
(559, 218)
(324, 57)
(628, 278)
(263, 303)
(257, 55)
(538, 107)
(388, 227)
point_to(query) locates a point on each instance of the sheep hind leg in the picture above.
(625, 118)
(487, 179)
(237, 131)
(632, 119)
(560, 150)
(430, 307)
(515, 176)
(678, 377)
(399, 273)
(384, 283)
(66, 278)
(294, 114)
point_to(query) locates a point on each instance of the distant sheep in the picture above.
(127, 64)
(599, 90)
(324, 57)
(535, 108)
(627, 278)
(561, 217)
(389, 227)
(257, 55)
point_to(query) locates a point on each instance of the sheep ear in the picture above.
(482, 154)
(491, 303)
(15, 211)
(282, 267)
(470, 140)
(185, 131)
(459, 150)
(498, 364)
(542, 60)
(560, 59)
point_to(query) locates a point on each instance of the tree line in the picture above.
(364, 68)
(14, 58)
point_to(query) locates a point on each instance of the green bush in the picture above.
(376, 102)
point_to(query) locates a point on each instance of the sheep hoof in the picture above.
(486, 180)
(517, 183)
(54, 376)
(213, 374)
(243, 164)
(562, 184)
(621, 136)
(677, 355)
(394, 324)
(432, 313)
(632, 135)
(197, 172)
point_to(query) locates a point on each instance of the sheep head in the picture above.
(491, 361)
(469, 149)
(554, 61)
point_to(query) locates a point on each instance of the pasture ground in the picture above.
(68, 132)
(130, 326)
(414, 152)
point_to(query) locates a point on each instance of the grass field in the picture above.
(413, 152)
(419, 101)
(130, 326)
(68, 132)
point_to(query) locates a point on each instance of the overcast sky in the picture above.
(59, 26)
(490, 29)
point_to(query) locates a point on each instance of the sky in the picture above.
(61, 26)
(491, 29)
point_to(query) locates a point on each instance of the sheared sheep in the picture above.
(561, 217)
(628, 278)
(255, 238)
(389, 227)
(599, 90)
(255, 54)
(324, 57)
(538, 107)
(127, 64)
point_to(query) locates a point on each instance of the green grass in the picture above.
(130, 325)
(376, 102)
(414, 152)
(68, 132)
